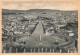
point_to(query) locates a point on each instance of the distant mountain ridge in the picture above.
(30, 10)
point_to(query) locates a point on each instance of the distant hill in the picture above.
(12, 11)
(42, 10)
(30, 10)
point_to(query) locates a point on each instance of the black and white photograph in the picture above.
(39, 27)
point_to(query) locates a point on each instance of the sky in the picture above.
(40, 5)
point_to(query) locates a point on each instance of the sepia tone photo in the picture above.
(39, 27)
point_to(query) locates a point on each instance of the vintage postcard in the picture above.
(44, 27)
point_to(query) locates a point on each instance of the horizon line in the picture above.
(41, 9)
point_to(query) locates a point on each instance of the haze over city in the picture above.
(40, 5)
